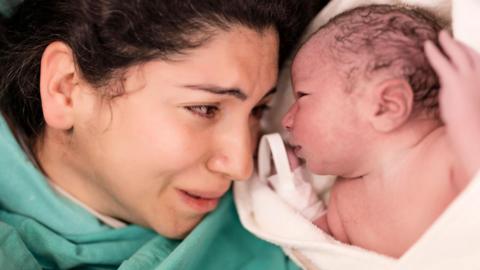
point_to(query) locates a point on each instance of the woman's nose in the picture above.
(233, 155)
(288, 119)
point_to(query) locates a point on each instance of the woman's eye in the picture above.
(206, 111)
(258, 111)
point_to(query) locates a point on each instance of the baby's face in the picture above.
(325, 122)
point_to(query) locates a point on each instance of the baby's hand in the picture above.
(459, 98)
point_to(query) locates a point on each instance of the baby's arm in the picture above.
(459, 73)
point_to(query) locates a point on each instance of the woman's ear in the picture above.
(58, 79)
(392, 104)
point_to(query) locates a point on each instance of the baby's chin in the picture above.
(322, 169)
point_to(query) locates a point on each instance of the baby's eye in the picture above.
(259, 110)
(206, 111)
(300, 94)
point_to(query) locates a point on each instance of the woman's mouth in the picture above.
(202, 202)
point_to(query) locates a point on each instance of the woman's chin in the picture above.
(178, 229)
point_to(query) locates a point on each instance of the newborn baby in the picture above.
(366, 110)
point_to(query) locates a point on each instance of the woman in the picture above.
(124, 123)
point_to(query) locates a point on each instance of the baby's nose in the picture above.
(288, 119)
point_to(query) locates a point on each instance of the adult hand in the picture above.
(459, 74)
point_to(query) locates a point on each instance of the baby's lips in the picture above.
(293, 160)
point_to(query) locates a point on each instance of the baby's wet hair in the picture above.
(388, 41)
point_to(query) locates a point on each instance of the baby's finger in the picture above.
(455, 51)
(438, 60)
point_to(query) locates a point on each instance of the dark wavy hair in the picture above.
(387, 39)
(108, 36)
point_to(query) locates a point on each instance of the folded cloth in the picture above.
(296, 187)
(301, 196)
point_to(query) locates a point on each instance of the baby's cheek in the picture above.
(305, 136)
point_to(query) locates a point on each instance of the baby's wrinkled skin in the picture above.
(397, 167)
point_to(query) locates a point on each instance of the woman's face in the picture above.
(162, 154)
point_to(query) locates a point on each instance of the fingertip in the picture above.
(444, 34)
(445, 38)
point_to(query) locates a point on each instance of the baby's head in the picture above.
(361, 78)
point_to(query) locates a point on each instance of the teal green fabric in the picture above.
(40, 229)
(6, 6)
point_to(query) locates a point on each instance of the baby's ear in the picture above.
(392, 104)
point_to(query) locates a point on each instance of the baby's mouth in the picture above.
(297, 150)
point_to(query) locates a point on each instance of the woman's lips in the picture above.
(202, 202)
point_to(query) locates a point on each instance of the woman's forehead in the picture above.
(232, 61)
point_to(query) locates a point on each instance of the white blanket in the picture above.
(452, 242)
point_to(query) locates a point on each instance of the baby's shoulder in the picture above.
(442, 163)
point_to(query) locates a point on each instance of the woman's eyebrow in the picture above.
(271, 92)
(235, 92)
